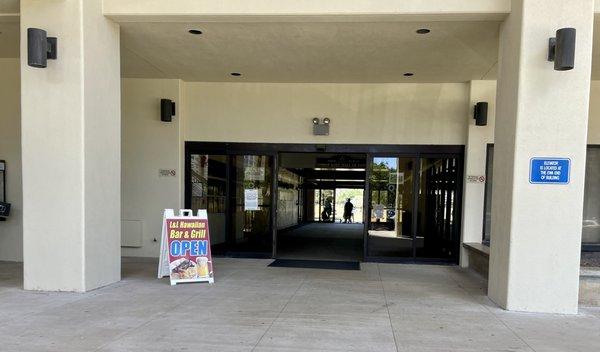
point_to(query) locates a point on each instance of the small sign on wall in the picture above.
(167, 173)
(475, 179)
(550, 171)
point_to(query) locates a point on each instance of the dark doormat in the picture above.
(316, 264)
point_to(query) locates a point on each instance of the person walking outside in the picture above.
(348, 207)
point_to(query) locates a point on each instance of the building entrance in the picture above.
(335, 202)
(332, 224)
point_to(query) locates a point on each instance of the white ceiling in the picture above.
(306, 52)
(311, 52)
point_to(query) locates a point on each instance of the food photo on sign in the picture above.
(184, 268)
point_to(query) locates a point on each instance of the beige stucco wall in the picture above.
(148, 145)
(102, 130)
(475, 165)
(360, 113)
(541, 112)
(11, 231)
(71, 149)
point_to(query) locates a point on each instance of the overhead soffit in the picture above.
(312, 52)
(302, 52)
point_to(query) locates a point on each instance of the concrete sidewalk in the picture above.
(251, 307)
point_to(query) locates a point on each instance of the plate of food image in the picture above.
(183, 268)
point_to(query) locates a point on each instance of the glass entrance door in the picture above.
(437, 227)
(251, 204)
(236, 191)
(390, 231)
(413, 208)
(208, 190)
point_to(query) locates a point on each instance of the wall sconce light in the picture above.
(561, 49)
(167, 110)
(40, 48)
(321, 127)
(480, 114)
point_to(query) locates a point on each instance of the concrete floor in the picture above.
(383, 307)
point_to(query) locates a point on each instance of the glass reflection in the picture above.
(390, 202)
(208, 188)
(251, 225)
(591, 202)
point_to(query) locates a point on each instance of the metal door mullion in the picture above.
(228, 203)
(416, 185)
(274, 200)
(320, 204)
(366, 206)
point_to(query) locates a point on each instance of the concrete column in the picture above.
(536, 229)
(478, 138)
(71, 149)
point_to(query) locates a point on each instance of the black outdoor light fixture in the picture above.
(480, 114)
(167, 110)
(561, 49)
(40, 48)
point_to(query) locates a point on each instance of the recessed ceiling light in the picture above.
(195, 31)
(408, 74)
(235, 74)
(423, 31)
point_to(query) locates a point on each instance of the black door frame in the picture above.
(229, 152)
(370, 150)
(417, 156)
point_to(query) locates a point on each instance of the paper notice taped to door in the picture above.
(251, 199)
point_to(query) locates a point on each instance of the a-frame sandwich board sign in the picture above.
(185, 247)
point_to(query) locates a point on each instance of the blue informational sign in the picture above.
(550, 171)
